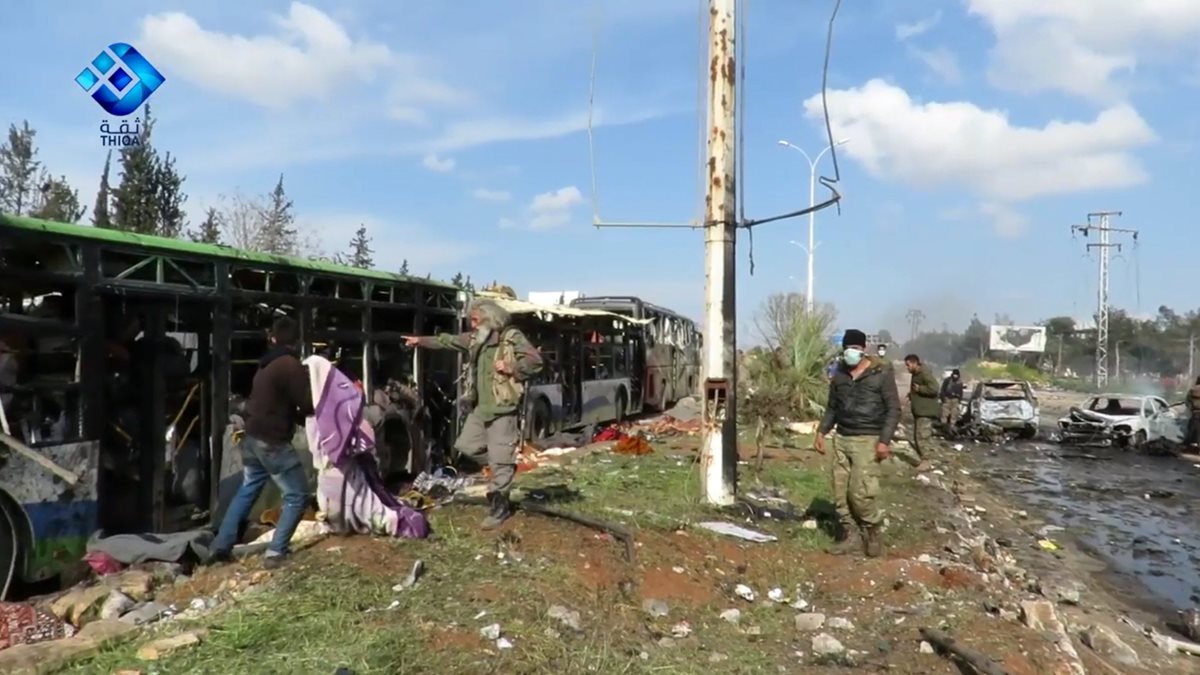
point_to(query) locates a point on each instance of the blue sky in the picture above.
(979, 131)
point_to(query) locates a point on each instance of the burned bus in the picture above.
(667, 354)
(590, 372)
(123, 358)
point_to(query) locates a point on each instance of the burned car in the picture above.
(1124, 420)
(1008, 406)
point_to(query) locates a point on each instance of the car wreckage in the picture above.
(1122, 420)
(997, 407)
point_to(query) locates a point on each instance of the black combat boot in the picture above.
(872, 542)
(843, 541)
(499, 512)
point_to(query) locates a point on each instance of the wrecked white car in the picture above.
(1008, 405)
(1122, 420)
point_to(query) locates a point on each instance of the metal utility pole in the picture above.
(914, 317)
(1191, 358)
(718, 451)
(1105, 232)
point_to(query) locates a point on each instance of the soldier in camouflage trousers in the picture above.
(864, 408)
(500, 359)
(923, 396)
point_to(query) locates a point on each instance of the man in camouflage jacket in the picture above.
(500, 359)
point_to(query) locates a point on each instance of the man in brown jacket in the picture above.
(280, 399)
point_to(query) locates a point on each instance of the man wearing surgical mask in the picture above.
(863, 412)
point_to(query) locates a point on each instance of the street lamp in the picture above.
(812, 200)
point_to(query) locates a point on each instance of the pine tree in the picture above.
(169, 198)
(277, 235)
(209, 231)
(135, 200)
(19, 171)
(458, 281)
(58, 202)
(360, 250)
(100, 210)
(404, 267)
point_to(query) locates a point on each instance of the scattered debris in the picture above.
(146, 613)
(116, 605)
(744, 592)
(732, 615)
(738, 531)
(925, 647)
(681, 630)
(414, 575)
(490, 632)
(975, 659)
(838, 623)
(503, 643)
(777, 595)
(809, 524)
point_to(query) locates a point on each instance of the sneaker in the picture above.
(274, 562)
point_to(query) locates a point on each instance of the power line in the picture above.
(1098, 223)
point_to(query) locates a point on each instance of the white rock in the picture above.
(744, 592)
(925, 648)
(490, 632)
(838, 623)
(681, 630)
(777, 595)
(809, 524)
(809, 621)
(503, 643)
(826, 645)
(116, 604)
(732, 615)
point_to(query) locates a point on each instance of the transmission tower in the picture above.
(914, 316)
(1098, 223)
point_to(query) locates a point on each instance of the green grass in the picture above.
(320, 612)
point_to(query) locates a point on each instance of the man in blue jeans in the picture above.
(280, 399)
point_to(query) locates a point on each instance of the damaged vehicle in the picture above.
(1123, 420)
(1008, 406)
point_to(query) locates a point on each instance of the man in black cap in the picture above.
(952, 394)
(864, 407)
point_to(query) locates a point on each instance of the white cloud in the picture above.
(1082, 47)
(940, 61)
(486, 131)
(907, 31)
(309, 56)
(486, 195)
(959, 144)
(553, 209)
(1006, 222)
(434, 162)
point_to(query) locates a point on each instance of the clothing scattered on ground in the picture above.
(350, 491)
(130, 549)
(22, 624)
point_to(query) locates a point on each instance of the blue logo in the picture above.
(120, 79)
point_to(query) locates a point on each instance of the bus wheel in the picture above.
(539, 420)
(622, 405)
(9, 551)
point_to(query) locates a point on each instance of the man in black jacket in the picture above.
(864, 407)
(952, 394)
(280, 399)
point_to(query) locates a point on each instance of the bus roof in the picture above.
(213, 250)
(513, 306)
(625, 300)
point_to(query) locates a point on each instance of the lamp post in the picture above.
(812, 200)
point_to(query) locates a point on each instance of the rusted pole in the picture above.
(718, 452)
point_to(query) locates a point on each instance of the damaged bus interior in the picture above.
(124, 356)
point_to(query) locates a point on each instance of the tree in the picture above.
(19, 170)
(885, 336)
(278, 235)
(209, 231)
(100, 210)
(58, 201)
(169, 198)
(135, 199)
(360, 250)
(404, 267)
(977, 339)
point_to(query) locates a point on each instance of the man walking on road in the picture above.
(499, 361)
(864, 408)
(952, 393)
(923, 400)
(279, 401)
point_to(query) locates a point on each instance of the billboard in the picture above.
(1017, 339)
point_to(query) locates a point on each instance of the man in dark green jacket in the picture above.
(923, 395)
(499, 360)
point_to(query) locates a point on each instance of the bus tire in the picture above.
(539, 419)
(10, 548)
(622, 405)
